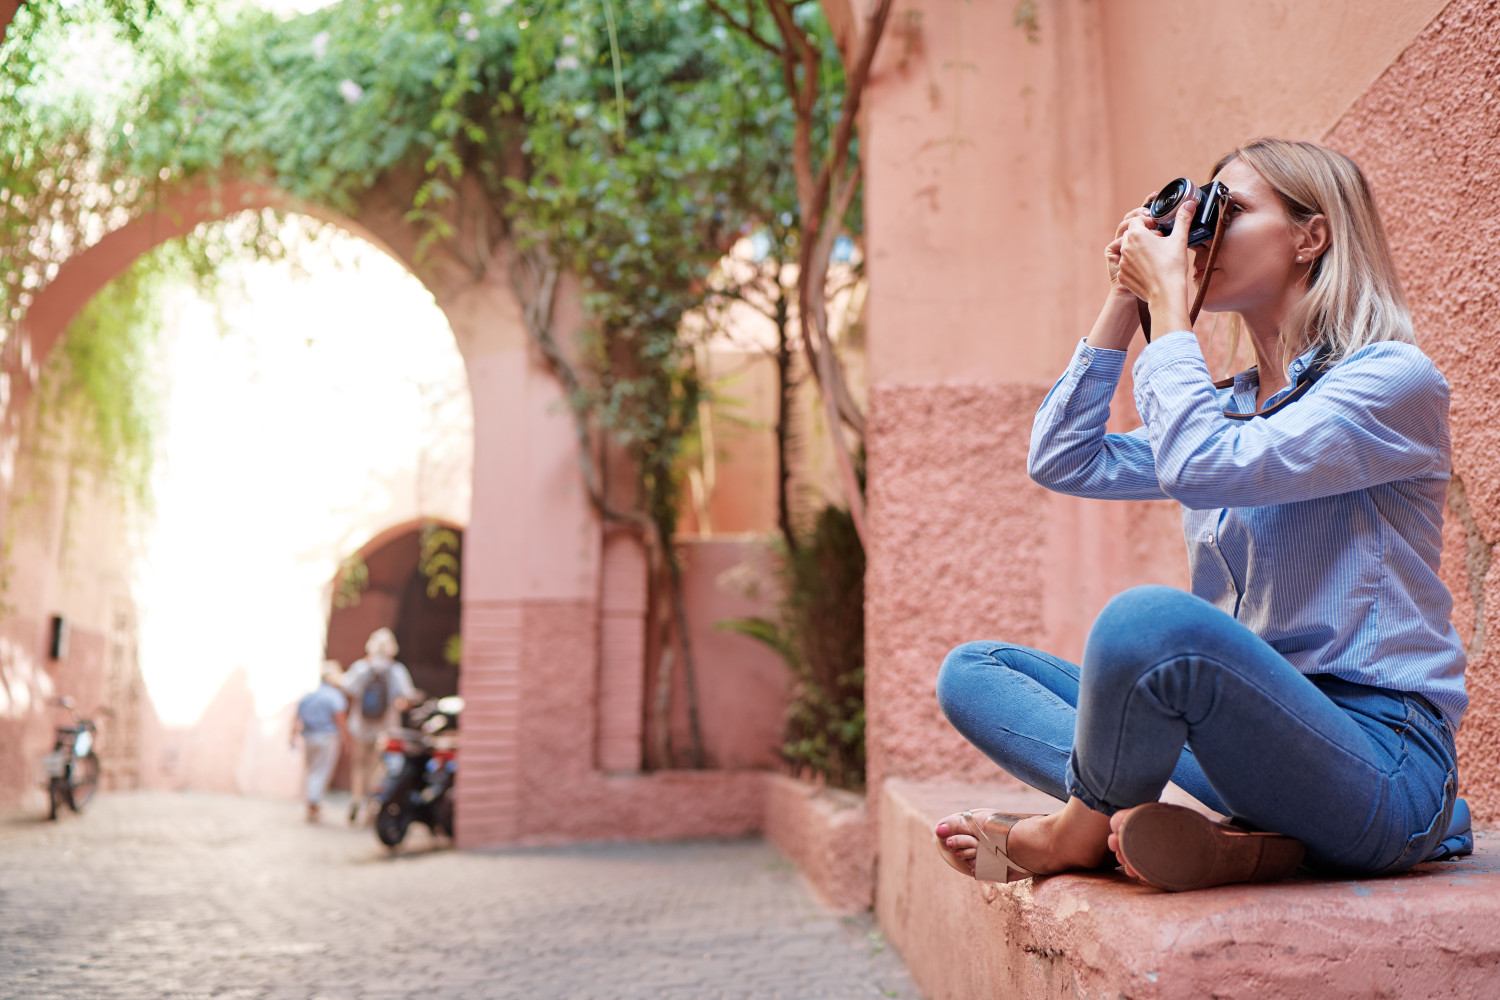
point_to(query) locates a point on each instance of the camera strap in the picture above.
(1144, 311)
(1316, 369)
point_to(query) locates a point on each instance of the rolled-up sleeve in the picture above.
(1070, 451)
(1377, 417)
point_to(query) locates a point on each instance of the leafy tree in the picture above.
(621, 143)
(625, 144)
(826, 184)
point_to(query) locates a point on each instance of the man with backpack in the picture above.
(379, 690)
(320, 721)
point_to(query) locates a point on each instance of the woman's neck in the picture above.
(1265, 328)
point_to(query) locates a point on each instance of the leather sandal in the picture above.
(1177, 849)
(992, 829)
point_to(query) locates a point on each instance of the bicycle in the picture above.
(72, 768)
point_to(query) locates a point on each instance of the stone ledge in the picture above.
(1432, 932)
(826, 833)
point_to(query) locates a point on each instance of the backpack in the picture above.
(376, 696)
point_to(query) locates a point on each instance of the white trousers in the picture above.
(322, 753)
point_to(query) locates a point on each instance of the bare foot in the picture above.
(1068, 840)
(958, 843)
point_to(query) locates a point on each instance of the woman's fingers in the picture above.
(1184, 221)
(1134, 213)
(1145, 257)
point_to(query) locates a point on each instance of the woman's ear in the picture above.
(1313, 239)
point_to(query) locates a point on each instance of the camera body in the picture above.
(1211, 200)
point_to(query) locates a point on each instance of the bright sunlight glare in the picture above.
(333, 405)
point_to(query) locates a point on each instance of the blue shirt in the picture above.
(1318, 527)
(317, 710)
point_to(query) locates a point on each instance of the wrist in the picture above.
(1169, 309)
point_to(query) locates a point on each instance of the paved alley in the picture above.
(170, 897)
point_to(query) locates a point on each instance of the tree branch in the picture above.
(747, 29)
(537, 292)
(818, 303)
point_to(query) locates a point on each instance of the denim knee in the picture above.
(1142, 625)
(959, 673)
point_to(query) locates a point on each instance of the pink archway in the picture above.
(552, 618)
(533, 534)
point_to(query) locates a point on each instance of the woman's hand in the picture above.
(1118, 320)
(1155, 268)
(1112, 252)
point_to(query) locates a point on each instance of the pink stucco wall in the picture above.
(1426, 135)
(66, 552)
(1423, 934)
(827, 833)
(742, 686)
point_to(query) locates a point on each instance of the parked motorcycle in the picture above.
(71, 770)
(419, 768)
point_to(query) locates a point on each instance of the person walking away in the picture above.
(379, 690)
(321, 721)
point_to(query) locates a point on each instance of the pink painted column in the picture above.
(531, 563)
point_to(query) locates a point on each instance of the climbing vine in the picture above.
(625, 144)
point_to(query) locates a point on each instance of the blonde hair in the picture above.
(382, 639)
(1354, 296)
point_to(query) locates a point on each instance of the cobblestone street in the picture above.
(168, 897)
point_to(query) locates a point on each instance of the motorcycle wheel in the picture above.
(85, 781)
(391, 823)
(442, 815)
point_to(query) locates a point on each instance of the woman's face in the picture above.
(1257, 264)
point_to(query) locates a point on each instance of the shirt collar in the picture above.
(1251, 376)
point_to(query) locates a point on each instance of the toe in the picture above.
(950, 825)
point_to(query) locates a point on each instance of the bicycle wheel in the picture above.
(56, 794)
(85, 780)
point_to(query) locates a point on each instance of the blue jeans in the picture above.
(1173, 688)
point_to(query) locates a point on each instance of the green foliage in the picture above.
(325, 105)
(655, 138)
(820, 634)
(98, 389)
(353, 580)
(628, 142)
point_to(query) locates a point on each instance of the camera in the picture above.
(1211, 200)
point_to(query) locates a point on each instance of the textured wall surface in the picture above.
(827, 834)
(1427, 933)
(957, 534)
(1428, 136)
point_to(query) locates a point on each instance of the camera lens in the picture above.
(1164, 205)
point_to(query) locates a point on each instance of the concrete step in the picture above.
(1428, 933)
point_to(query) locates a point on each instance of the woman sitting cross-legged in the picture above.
(1311, 685)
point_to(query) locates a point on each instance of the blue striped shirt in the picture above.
(1318, 527)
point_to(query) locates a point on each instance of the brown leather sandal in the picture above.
(1177, 849)
(992, 829)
